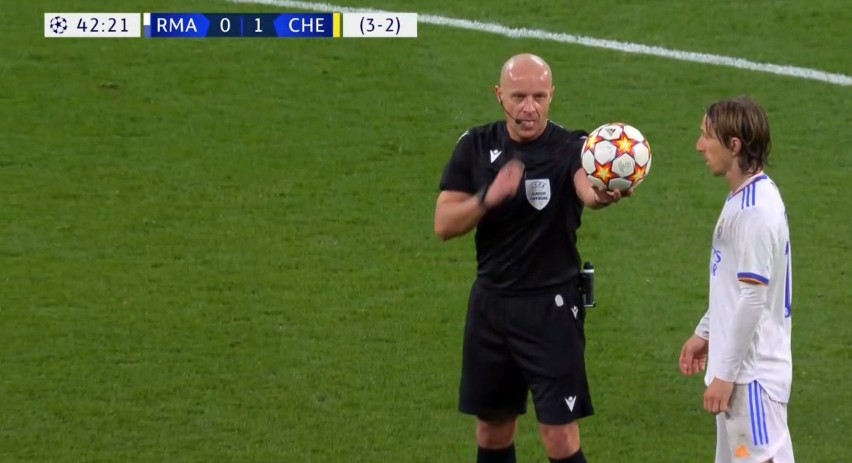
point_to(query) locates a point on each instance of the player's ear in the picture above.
(736, 146)
(498, 93)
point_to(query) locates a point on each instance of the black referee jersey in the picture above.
(528, 243)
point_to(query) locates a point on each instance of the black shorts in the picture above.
(516, 344)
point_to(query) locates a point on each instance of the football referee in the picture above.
(520, 183)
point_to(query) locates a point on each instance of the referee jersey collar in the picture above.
(528, 145)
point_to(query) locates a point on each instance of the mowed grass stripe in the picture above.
(626, 47)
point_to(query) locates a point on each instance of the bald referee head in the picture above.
(525, 92)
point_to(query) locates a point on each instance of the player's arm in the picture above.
(754, 244)
(693, 354)
(744, 319)
(703, 328)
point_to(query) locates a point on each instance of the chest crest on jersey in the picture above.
(538, 192)
(720, 227)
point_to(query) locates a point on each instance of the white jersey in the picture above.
(751, 243)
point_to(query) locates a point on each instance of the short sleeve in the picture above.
(457, 175)
(575, 151)
(754, 246)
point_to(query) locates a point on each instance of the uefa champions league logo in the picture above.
(58, 25)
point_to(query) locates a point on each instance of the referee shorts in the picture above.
(516, 344)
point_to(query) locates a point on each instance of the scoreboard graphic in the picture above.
(234, 25)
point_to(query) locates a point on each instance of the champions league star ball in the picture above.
(58, 25)
(616, 156)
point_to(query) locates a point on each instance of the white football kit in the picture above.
(748, 323)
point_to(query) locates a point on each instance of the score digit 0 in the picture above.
(225, 25)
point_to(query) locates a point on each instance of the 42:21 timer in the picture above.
(106, 25)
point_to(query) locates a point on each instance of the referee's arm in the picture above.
(592, 198)
(457, 213)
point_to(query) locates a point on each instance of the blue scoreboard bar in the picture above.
(204, 25)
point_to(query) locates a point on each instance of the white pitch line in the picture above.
(627, 47)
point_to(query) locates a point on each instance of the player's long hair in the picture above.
(744, 119)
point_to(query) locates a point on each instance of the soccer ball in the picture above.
(58, 25)
(616, 156)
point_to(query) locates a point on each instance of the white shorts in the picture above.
(754, 429)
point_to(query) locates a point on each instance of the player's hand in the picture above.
(693, 355)
(718, 396)
(505, 184)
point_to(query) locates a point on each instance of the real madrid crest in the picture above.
(719, 227)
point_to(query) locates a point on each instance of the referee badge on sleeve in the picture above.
(538, 192)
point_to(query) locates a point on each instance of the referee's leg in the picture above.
(547, 336)
(492, 386)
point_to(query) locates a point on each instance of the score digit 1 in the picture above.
(260, 25)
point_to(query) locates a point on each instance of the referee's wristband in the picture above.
(480, 196)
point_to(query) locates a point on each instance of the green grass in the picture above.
(222, 250)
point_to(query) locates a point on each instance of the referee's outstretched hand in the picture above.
(606, 197)
(505, 185)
